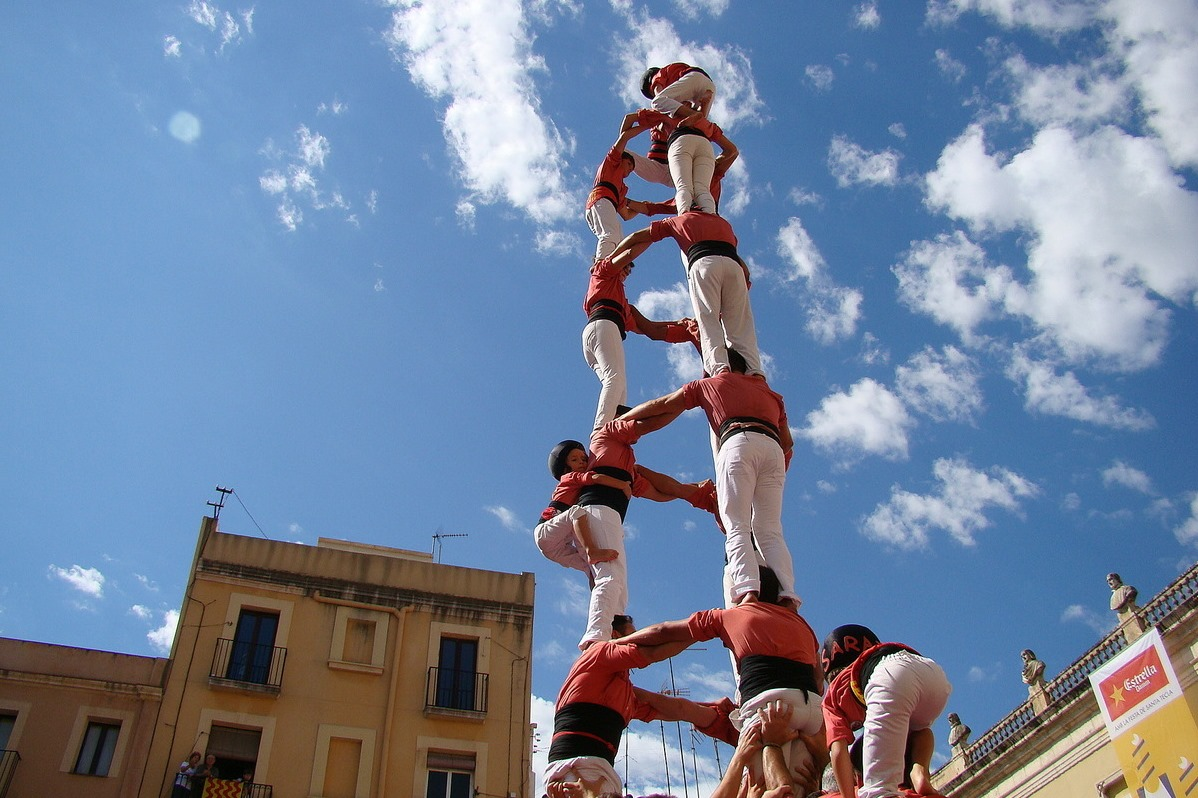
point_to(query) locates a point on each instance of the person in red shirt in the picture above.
(598, 700)
(718, 280)
(755, 443)
(606, 507)
(894, 695)
(563, 529)
(776, 656)
(669, 87)
(608, 202)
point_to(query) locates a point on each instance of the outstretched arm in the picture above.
(663, 487)
(658, 633)
(670, 708)
(670, 406)
(630, 248)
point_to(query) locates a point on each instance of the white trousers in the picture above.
(906, 693)
(607, 225)
(590, 768)
(609, 596)
(692, 165)
(720, 299)
(688, 88)
(807, 717)
(555, 538)
(750, 475)
(651, 171)
(603, 349)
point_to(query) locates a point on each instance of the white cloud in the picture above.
(897, 129)
(1120, 473)
(299, 179)
(312, 148)
(336, 108)
(958, 506)
(869, 419)
(665, 304)
(146, 582)
(803, 197)
(477, 55)
(203, 13)
(378, 286)
(507, 518)
(1054, 394)
(1047, 15)
(851, 164)
(1065, 95)
(372, 201)
(873, 351)
(85, 580)
(832, 311)
(1109, 231)
(865, 15)
(162, 637)
(653, 41)
(1187, 531)
(558, 242)
(941, 385)
(978, 673)
(949, 67)
(1101, 624)
(171, 46)
(820, 76)
(141, 612)
(691, 9)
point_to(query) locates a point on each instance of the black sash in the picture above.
(737, 424)
(609, 309)
(701, 249)
(761, 672)
(605, 496)
(584, 729)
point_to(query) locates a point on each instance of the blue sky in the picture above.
(332, 256)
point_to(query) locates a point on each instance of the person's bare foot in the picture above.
(921, 781)
(602, 555)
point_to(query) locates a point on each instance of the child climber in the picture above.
(894, 695)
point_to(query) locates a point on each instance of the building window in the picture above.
(236, 750)
(450, 775)
(99, 744)
(457, 669)
(253, 647)
(8, 720)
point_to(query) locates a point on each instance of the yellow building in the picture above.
(340, 670)
(1056, 745)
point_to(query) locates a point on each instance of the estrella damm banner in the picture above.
(1151, 725)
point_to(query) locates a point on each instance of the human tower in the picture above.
(782, 735)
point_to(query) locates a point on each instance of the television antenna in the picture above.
(440, 536)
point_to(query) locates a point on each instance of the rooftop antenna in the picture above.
(219, 504)
(438, 537)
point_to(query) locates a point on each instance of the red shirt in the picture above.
(692, 227)
(600, 676)
(668, 74)
(843, 713)
(611, 446)
(566, 492)
(729, 394)
(610, 171)
(758, 628)
(607, 282)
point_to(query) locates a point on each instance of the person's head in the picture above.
(195, 757)
(622, 626)
(736, 361)
(953, 718)
(210, 760)
(628, 162)
(567, 456)
(647, 82)
(843, 645)
(1027, 654)
(1114, 580)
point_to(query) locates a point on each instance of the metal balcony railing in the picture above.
(257, 791)
(248, 664)
(449, 688)
(8, 768)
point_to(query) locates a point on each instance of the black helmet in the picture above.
(844, 644)
(557, 457)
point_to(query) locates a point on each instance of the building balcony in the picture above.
(246, 666)
(455, 693)
(8, 768)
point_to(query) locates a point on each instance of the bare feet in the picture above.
(602, 555)
(921, 781)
